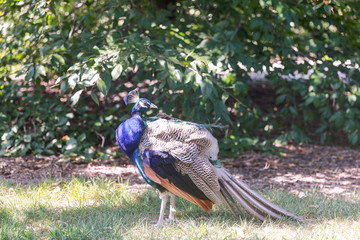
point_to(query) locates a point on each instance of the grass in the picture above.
(82, 208)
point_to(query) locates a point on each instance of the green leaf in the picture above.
(107, 79)
(52, 7)
(73, 79)
(89, 77)
(280, 99)
(27, 138)
(110, 39)
(75, 98)
(49, 152)
(102, 86)
(327, 58)
(293, 110)
(206, 87)
(353, 137)
(71, 144)
(30, 73)
(198, 79)
(316, 7)
(82, 137)
(41, 70)
(163, 75)
(116, 72)
(309, 100)
(322, 128)
(336, 2)
(335, 117)
(59, 58)
(62, 121)
(328, 9)
(177, 74)
(351, 98)
(64, 86)
(95, 98)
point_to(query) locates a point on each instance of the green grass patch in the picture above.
(83, 208)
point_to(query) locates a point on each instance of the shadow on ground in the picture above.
(330, 170)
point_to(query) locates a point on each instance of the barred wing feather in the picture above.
(180, 155)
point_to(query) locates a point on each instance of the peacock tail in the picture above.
(181, 157)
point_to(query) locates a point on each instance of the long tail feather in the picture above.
(226, 197)
(253, 202)
(243, 201)
(264, 201)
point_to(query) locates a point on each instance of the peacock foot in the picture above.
(158, 223)
(171, 220)
(164, 221)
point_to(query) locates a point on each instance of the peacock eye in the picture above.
(144, 104)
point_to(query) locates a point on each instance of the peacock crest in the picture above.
(133, 96)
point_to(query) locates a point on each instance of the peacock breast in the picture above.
(129, 133)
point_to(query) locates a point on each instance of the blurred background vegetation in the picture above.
(273, 71)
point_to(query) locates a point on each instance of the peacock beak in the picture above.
(153, 105)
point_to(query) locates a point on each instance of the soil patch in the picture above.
(330, 170)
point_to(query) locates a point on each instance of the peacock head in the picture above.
(141, 104)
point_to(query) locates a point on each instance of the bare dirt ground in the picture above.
(330, 170)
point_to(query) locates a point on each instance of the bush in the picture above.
(194, 59)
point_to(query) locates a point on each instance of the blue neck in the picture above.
(128, 136)
(136, 159)
(135, 110)
(129, 133)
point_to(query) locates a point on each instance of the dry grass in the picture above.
(83, 208)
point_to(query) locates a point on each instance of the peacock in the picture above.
(180, 158)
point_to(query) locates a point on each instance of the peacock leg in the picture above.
(172, 209)
(164, 197)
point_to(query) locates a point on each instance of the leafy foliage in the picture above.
(44, 125)
(196, 56)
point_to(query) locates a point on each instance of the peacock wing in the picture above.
(183, 140)
(190, 146)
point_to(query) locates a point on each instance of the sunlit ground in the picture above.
(109, 200)
(83, 208)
